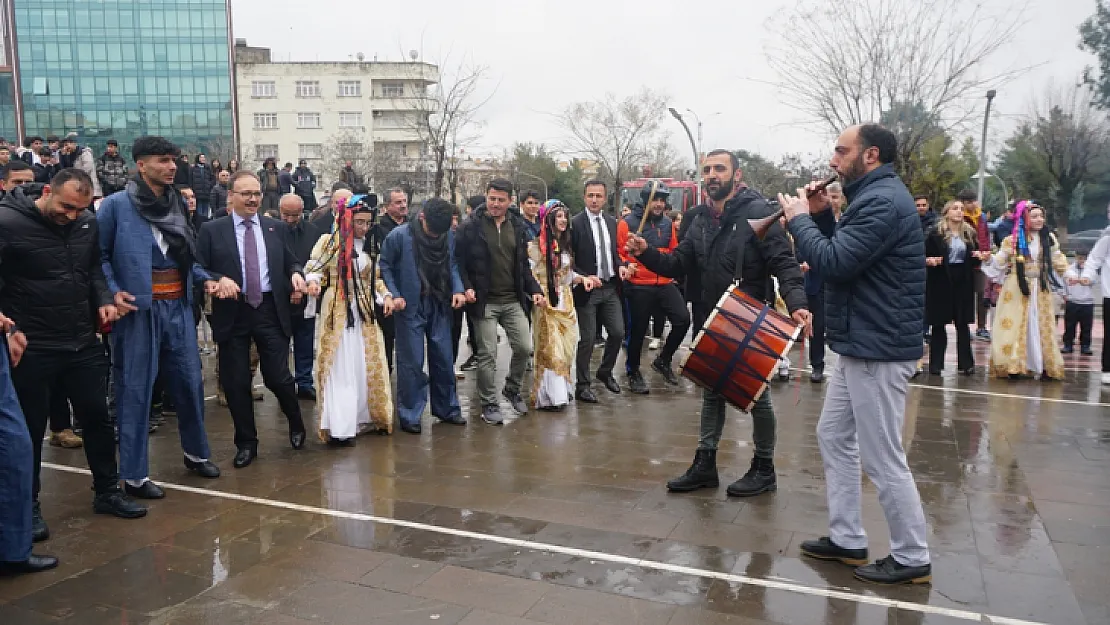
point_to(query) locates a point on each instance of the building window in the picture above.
(350, 120)
(350, 88)
(263, 89)
(393, 90)
(308, 120)
(311, 151)
(265, 121)
(350, 150)
(265, 151)
(390, 120)
(308, 88)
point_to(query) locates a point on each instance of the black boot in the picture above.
(701, 474)
(760, 478)
(39, 530)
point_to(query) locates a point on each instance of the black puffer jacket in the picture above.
(202, 181)
(710, 250)
(473, 256)
(51, 280)
(874, 270)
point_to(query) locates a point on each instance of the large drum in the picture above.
(739, 347)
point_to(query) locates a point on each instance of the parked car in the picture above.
(1081, 242)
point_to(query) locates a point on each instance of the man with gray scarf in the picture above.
(148, 252)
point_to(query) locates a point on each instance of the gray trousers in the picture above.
(603, 305)
(863, 416)
(511, 317)
(713, 423)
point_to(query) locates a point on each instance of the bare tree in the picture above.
(617, 133)
(375, 165)
(665, 161)
(915, 65)
(222, 148)
(446, 117)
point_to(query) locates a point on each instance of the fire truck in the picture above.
(684, 193)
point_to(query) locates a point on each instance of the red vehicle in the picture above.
(684, 193)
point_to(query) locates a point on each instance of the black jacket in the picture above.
(874, 270)
(711, 251)
(203, 179)
(301, 238)
(473, 255)
(51, 279)
(583, 249)
(184, 173)
(950, 288)
(382, 228)
(218, 252)
(217, 199)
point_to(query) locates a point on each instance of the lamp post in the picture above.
(1005, 190)
(693, 145)
(983, 148)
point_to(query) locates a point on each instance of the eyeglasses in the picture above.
(249, 194)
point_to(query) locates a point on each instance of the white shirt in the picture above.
(260, 244)
(601, 245)
(1099, 259)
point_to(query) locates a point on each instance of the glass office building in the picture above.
(121, 69)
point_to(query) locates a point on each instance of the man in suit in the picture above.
(257, 274)
(593, 239)
(148, 252)
(301, 235)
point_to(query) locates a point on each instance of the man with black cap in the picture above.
(149, 257)
(423, 294)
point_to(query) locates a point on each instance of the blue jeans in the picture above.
(431, 320)
(304, 340)
(144, 340)
(17, 467)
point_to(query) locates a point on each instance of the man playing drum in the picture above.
(718, 236)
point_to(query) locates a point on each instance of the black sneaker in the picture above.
(888, 571)
(701, 474)
(760, 478)
(817, 376)
(39, 530)
(470, 364)
(1067, 349)
(1086, 351)
(636, 383)
(491, 414)
(115, 503)
(825, 549)
(518, 403)
(664, 369)
(983, 334)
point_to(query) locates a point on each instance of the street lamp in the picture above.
(693, 145)
(1005, 190)
(983, 148)
(534, 177)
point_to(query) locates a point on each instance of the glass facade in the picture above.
(124, 68)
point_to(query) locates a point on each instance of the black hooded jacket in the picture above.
(709, 250)
(51, 279)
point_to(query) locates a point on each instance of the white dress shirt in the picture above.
(601, 245)
(260, 244)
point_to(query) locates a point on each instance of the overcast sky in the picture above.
(546, 54)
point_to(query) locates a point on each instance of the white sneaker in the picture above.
(1106, 378)
(654, 344)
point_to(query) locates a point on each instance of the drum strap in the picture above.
(739, 352)
(740, 230)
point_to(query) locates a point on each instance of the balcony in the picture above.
(407, 103)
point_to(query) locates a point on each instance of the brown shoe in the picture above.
(66, 439)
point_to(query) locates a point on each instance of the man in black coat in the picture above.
(257, 274)
(217, 197)
(874, 271)
(593, 242)
(721, 246)
(301, 235)
(491, 249)
(53, 286)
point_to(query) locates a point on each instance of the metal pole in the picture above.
(689, 135)
(983, 147)
(697, 157)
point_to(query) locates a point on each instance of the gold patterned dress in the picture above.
(351, 371)
(554, 334)
(1023, 337)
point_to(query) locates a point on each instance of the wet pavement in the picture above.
(564, 518)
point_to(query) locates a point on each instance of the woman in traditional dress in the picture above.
(952, 258)
(1024, 339)
(555, 326)
(351, 373)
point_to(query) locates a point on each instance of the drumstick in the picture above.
(643, 220)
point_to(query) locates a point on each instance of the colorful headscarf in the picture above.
(548, 243)
(1019, 242)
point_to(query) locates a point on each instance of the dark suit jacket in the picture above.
(583, 247)
(218, 252)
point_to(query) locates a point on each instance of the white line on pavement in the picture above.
(775, 584)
